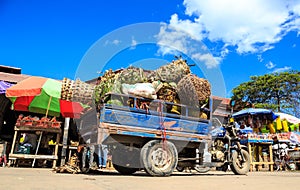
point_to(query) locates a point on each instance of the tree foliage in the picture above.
(276, 91)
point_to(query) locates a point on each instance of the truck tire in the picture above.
(180, 168)
(237, 166)
(159, 158)
(201, 169)
(125, 170)
(124, 161)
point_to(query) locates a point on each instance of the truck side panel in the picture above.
(149, 121)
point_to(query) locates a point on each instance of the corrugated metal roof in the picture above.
(225, 101)
(12, 78)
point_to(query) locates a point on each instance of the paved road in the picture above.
(45, 179)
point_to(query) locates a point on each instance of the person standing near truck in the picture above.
(102, 151)
(88, 130)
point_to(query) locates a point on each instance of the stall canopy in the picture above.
(255, 111)
(3, 86)
(42, 95)
(288, 117)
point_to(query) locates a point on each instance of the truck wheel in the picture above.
(180, 168)
(159, 158)
(124, 161)
(125, 170)
(201, 169)
(238, 166)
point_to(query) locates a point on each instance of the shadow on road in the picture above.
(144, 174)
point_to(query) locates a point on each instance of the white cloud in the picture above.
(174, 39)
(260, 58)
(171, 40)
(224, 51)
(133, 43)
(270, 65)
(278, 70)
(248, 26)
(114, 42)
(207, 58)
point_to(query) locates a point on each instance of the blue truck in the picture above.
(145, 134)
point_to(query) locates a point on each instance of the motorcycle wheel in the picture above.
(238, 166)
(201, 169)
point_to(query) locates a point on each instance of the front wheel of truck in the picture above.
(159, 157)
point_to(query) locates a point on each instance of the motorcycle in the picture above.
(226, 150)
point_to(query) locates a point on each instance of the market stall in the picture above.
(259, 146)
(32, 135)
(259, 128)
(39, 99)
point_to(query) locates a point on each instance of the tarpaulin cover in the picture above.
(254, 111)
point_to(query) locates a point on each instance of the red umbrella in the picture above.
(42, 95)
(70, 109)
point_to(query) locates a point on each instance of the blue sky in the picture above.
(228, 40)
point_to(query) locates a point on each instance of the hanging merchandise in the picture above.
(285, 126)
(294, 127)
(271, 128)
(250, 121)
(278, 124)
(290, 118)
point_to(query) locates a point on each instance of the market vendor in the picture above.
(30, 140)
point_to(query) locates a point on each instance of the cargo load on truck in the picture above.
(172, 82)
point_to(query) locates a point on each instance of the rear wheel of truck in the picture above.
(201, 169)
(126, 161)
(159, 157)
(125, 170)
(238, 166)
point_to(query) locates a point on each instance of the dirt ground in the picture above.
(46, 179)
